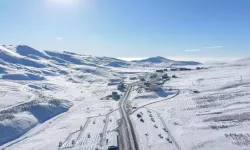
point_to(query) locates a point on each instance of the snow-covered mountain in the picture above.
(37, 85)
(22, 62)
(25, 63)
(162, 62)
(47, 96)
(28, 56)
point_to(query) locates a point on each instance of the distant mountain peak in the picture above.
(160, 61)
(157, 59)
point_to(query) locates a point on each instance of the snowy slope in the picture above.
(162, 62)
(37, 85)
(25, 63)
(46, 96)
(243, 62)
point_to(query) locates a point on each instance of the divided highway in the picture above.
(128, 135)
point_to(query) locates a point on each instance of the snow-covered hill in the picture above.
(162, 62)
(47, 96)
(240, 62)
(22, 62)
(244, 61)
(25, 63)
(37, 85)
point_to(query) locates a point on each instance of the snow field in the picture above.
(151, 132)
(217, 117)
(98, 132)
(38, 88)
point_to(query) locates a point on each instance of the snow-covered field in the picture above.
(83, 99)
(50, 97)
(215, 118)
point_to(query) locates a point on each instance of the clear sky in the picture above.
(197, 29)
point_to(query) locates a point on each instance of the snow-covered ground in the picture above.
(150, 131)
(49, 97)
(215, 118)
(83, 98)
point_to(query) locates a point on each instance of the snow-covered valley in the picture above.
(51, 97)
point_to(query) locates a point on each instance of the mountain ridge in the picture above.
(160, 61)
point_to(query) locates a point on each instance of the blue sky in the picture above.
(183, 29)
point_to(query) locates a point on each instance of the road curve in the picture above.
(177, 93)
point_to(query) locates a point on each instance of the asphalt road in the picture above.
(128, 135)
